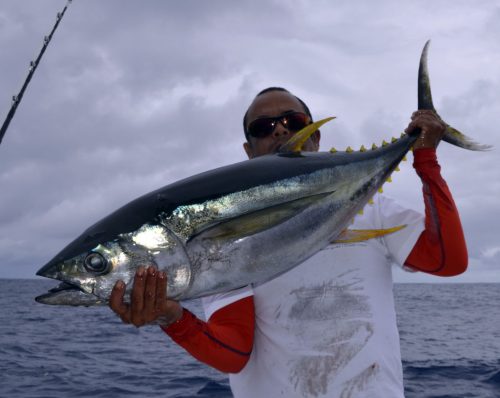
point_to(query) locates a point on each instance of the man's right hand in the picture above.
(149, 303)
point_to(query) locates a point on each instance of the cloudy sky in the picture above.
(133, 95)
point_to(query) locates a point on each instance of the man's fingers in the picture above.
(137, 297)
(427, 122)
(148, 299)
(150, 292)
(411, 127)
(423, 112)
(161, 290)
(116, 302)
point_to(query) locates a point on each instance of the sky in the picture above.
(133, 95)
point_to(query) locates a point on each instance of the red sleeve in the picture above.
(441, 248)
(224, 342)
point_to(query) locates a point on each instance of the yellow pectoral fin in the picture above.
(360, 235)
(260, 220)
(295, 143)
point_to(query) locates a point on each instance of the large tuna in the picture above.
(229, 227)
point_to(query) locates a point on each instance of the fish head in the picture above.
(90, 266)
(87, 273)
(93, 271)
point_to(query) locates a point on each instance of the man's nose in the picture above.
(280, 130)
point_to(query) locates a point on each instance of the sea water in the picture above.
(450, 343)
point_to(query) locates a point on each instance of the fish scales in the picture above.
(237, 225)
(198, 234)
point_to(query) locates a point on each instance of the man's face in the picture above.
(272, 104)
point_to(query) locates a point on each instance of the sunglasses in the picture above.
(264, 126)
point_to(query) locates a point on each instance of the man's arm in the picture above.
(224, 342)
(441, 248)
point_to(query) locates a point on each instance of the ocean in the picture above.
(450, 343)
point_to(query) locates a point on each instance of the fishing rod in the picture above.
(16, 99)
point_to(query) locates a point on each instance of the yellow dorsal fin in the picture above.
(360, 235)
(295, 143)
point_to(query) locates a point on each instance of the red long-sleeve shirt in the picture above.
(225, 341)
(441, 248)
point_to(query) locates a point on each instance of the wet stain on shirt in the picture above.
(331, 300)
(360, 382)
(311, 374)
(339, 302)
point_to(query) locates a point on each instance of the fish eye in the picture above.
(96, 263)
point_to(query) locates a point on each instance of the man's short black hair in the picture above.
(266, 90)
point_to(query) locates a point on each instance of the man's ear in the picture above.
(248, 149)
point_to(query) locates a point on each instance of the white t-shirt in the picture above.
(327, 328)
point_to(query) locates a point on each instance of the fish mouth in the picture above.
(62, 287)
(68, 294)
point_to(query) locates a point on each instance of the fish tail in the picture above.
(451, 135)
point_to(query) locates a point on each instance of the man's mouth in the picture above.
(277, 147)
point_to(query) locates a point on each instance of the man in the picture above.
(328, 326)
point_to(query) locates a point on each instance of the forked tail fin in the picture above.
(452, 135)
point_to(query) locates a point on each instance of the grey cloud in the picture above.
(134, 95)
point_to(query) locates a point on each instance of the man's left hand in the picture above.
(431, 126)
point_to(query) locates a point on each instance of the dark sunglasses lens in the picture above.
(296, 121)
(261, 127)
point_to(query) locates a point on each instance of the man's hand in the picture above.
(149, 303)
(431, 126)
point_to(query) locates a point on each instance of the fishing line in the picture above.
(16, 99)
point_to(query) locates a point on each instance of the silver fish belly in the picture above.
(237, 225)
(225, 241)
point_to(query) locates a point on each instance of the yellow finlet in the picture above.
(360, 212)
(389, 179)
(362, 149)
(397, 168)
(393, 140)
(374, 147)
(370, 201)
(349, 149)
(385, 143)
(380, 190)
(404, 159)
(295, 143)
(360, 235)
(333, 150)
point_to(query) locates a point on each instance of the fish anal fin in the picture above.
(360, 235)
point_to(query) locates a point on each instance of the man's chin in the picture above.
(276, 149)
